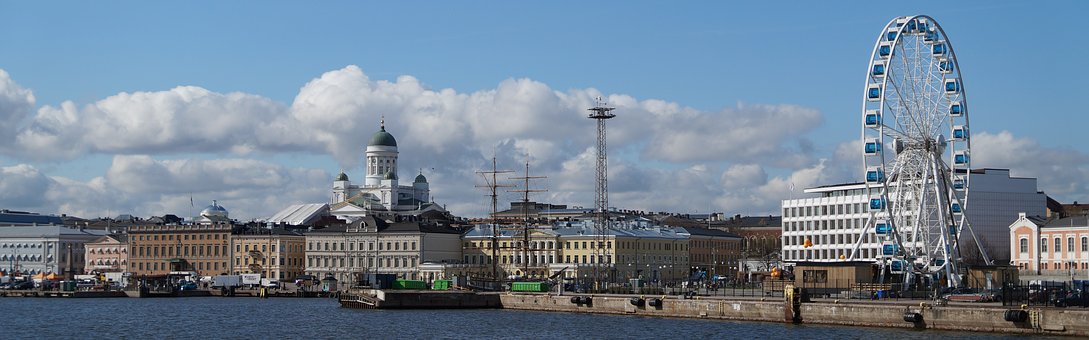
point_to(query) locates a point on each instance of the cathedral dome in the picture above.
(214, 210)
(342, 176)
(382, 138)
(420, 179)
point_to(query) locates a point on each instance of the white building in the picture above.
(44, 249)
(381, 192)
(372, 245)
(1056, 248)
(833, 220)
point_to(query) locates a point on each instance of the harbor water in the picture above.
(322, 318)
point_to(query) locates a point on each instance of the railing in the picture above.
(833, 289)
(1044, 293)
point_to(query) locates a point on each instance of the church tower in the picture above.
(381, 156)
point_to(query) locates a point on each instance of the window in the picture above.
(815, 276)
(1058, 245)
(1024, 245)
(1070, 244)
(1043, 246)
(1084, 243)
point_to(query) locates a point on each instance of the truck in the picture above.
(251, 279)
(271, 283)
(227, 281)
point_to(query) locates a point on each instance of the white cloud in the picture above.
(16, 104)
(1061, 172)
(664, 156)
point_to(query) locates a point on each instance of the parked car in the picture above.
(1075, 298)
(21, 285)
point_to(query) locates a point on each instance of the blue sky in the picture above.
(232, 100)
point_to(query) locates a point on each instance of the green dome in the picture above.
(382, 138)
(391, 175)
(420, 179)
(342, 176)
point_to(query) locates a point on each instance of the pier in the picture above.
(918, 315)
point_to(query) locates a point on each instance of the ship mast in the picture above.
(492, 185)
(527, 252)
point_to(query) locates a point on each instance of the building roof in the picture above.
(300, 214)
(420, 179)
(342, 176)
(697, 231)
(1072, 221)
(50, 231)
(382, 138)
(385, 227)
(16, 218)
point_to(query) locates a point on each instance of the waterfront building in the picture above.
(515, 259)
(1057, 247)
(714, 252)
(108, 253)
(632, 249)
(381, 193)
(201, 247)
(373, 245)
(833, 221)
(39, 249)
(761, 235)
(275, 253)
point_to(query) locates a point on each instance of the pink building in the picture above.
(1056, 246)
(107, 254)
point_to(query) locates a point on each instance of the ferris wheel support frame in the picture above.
(935, 227)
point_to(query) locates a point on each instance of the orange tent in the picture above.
(38, 276)
(52, 276)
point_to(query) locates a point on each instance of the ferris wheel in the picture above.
(917, 150)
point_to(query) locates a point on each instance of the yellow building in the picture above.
(161, 249)
(572, 251)
(276, 253)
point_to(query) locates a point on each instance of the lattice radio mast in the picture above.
(600, 112)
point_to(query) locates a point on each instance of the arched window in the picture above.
(1043, 245)
(1024, 245)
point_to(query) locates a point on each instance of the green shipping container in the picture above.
(538, 287)
(409, 284)
(440, 285)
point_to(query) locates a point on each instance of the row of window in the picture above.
(200, 266)
(840, 224)
(1058, 244)
(383, 261)
(838, 239)
(825, 210)
(196, 250)
(351, 245)
(825, 254)
(245, 261)
(182, 237)
(1055, 266)
(266, 247)
(579, 245)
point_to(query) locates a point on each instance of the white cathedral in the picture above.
(381, 194)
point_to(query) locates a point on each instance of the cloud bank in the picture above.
(664, 156)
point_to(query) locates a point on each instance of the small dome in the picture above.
(391, 175)
(382, 138)
(214, 210)
(420, 179)
(342, 176)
